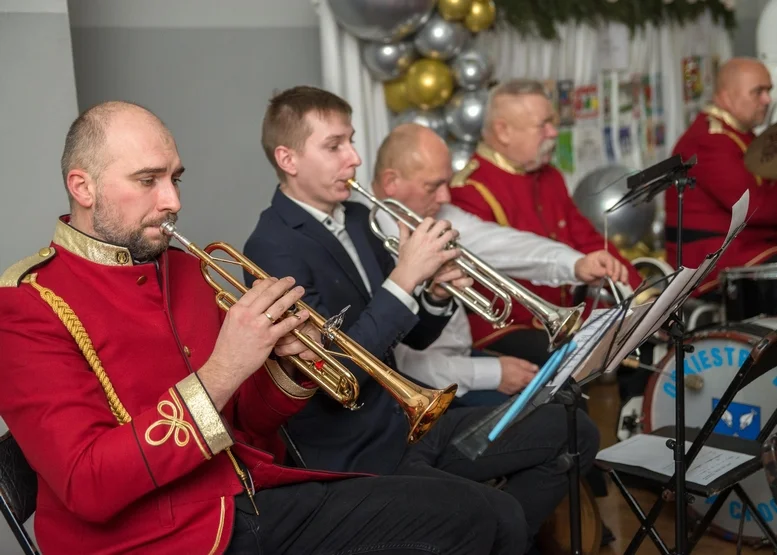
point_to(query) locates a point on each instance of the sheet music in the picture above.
(681, 285)
(650, 452)
(597, 331)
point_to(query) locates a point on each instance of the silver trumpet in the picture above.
(559, 322)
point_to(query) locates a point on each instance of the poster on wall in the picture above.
(693, 81)
(625, 97)
(589, 148)
(551, 89)
(658, 95)
(625, 141)
(566, 105)
(607, 100)
(586, 102)
(609, 149)
(564, 158)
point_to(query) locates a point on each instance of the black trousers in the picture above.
(527, 454)
(392, 515)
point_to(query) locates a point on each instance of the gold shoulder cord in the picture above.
(76, 329)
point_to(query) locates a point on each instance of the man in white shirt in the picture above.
(414, 167)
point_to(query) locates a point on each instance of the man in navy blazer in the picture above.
(312, 233)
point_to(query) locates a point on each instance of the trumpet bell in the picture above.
(564, 325)
(427, 409)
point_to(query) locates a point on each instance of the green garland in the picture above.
(540, 17)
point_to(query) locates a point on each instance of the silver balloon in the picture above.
(388, 61)
(472, 69)
(440, 39)
(381, 20)
(460, 154)
(433, 119)
(464, 114)
(599, 191)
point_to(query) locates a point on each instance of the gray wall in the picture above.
(37, 103)
(747, 18)
(206, 68)
(209, 78)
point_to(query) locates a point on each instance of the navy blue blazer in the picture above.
(288, 241)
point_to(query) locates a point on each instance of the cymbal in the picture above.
(761, 155)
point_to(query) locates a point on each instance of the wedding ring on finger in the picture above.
(269, 317)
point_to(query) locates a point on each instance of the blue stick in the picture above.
(542, 377)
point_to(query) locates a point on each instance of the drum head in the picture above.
(719, 351)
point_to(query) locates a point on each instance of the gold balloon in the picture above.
(429, 83)
(395, 92)
(454, 10)
(481, 15)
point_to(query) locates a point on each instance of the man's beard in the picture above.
(546, 148)
(105, 222)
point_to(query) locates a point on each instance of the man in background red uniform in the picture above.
(719, 137)
(151, 419)
(510, 181)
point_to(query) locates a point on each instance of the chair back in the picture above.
(18, 491)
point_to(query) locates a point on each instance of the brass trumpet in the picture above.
(559, 322)
(422, 406)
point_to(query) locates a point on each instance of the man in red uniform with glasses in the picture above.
(510, 181)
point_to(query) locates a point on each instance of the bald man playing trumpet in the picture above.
(414, 167)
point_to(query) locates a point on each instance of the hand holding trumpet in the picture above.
(252, 328)
(423, 252)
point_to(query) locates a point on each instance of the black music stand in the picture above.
(644, 186)
(556, 385)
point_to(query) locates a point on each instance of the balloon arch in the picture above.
(425, 54)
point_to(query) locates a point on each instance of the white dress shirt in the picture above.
(519, 254)
(336, 225)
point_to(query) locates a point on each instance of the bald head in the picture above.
(742, 88)
(413, 166)
(95, 134)
(407, 148)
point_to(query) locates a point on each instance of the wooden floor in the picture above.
(604, 405)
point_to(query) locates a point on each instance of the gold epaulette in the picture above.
(460, 178)
(716, 128)
(13, 276)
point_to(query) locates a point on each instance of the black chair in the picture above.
(18, 491)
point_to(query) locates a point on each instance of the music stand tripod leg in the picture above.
(569, 396)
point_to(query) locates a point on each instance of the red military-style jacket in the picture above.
(491, 188)
(130, 452)
(719, 143)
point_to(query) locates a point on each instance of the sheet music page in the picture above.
(655, 314)
(650, 452)
(597, 331)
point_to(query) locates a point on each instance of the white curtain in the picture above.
(575, 56)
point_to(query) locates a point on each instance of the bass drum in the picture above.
(719, 351)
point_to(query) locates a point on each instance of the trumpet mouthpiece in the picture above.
(168, 228)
